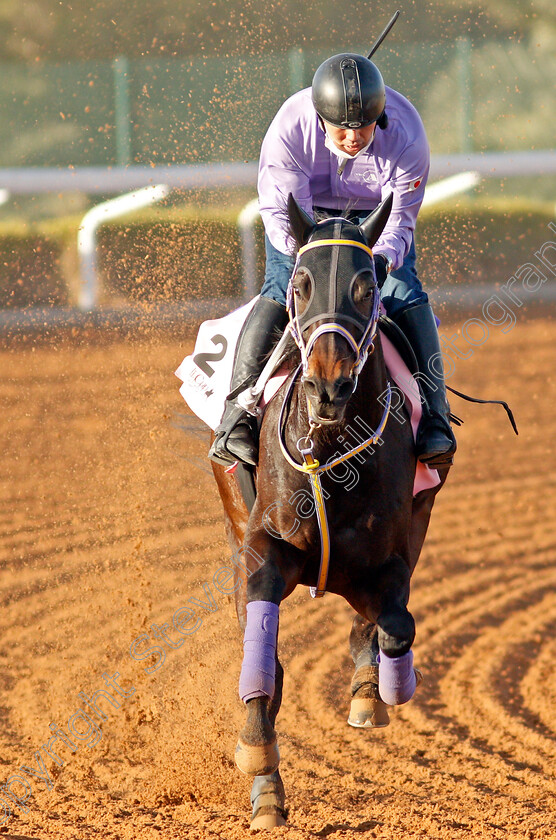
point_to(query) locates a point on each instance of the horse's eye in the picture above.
(302, 284)
(363, 288)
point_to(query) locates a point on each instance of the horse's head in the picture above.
(333, 303)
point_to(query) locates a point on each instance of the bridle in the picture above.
(362, 348)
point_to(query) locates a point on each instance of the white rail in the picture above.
(87, 235)
(117, 179)
(448, 187)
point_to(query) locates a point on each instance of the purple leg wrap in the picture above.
(396, 679)
(258, 671)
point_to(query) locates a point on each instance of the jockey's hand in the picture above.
(381, 269)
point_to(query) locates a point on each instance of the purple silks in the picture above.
(295, 158)
(396, 679)
(258, 671)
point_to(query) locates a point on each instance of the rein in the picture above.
(305, 445)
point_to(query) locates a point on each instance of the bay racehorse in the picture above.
(359, 538)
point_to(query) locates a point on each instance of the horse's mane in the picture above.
(321, 215)
(291, 351)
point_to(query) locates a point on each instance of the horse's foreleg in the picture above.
(257, 751)
(268, 797)
(260, 684)
(384, 604)
(367, 710)
(397, 678)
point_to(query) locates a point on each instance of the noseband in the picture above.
(360, 348)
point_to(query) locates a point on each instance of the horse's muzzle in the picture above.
(328, 399)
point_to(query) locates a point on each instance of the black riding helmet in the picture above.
(348, 92)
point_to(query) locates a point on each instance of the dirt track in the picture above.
(109, 524)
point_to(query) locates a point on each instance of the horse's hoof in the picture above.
(418, 677)
(257, 760)
(367, 710)
(368, 713)
(272, 819)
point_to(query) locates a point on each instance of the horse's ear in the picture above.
(301, 223)
(374, 224)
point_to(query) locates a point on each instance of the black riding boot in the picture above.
(436, 443)
(236, 436)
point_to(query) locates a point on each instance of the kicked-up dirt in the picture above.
(110, 524)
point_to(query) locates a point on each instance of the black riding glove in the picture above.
(381, 269)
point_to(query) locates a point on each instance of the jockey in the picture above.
(340, 147)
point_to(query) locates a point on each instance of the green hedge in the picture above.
(195, 253)
(23, 260)
(479, 242)
(166, 261)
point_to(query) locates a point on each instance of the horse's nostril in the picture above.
(345, 390)
(329, 393)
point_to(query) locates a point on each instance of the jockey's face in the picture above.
(350, 140)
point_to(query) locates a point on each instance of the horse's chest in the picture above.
(350, 533)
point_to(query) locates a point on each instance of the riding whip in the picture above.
(381, 38)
